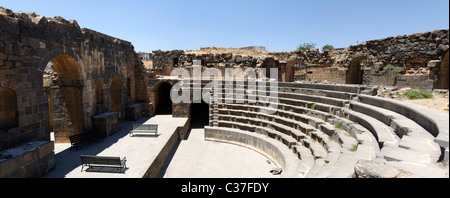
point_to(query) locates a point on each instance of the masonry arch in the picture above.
(116, 94)
(163, 102)
(290, 70)
(355, 74)
(199, 115)
(443, 80)
(63, 83)
(8, 109)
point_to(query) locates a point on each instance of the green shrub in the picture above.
(354, 148)
(313, 107)
(338, 126)
(330, 47)
(206, 96)
(306, 46)
(414, 94)
(391, 67)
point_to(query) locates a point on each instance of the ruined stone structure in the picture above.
(417, 60)
(56, 76)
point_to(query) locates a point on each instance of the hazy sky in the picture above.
(280, 25)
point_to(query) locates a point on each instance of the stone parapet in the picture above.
(28, 160)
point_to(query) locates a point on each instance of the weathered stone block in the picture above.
(106, 124)
(24, 161)
(370, 169)
(133, 112)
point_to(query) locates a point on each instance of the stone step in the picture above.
(319, 163)
(344, 168)
(421, 145)
(316, 149)
(384, 134)
(405, 155)
(418, 170)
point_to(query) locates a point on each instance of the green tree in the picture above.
(306, 46)
(327, 46)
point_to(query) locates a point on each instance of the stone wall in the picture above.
(82, 59)
(27, 160)
(366, 63)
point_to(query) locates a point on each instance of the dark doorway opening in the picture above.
(443, 80)
(199, 115)
(355, 74)
(175, 62)
(116, 94)
(163, 102)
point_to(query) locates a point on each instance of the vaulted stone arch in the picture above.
(443, 80)
(355, 74)
(63, 82)
(99, 92)
(8, 109)
(290, 70)
(116, 94)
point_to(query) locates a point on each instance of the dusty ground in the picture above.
(148, 64)
(438, 102)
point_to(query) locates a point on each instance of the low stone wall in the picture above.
(415, 81)
(160, 160)
(29, 160)
(248, 140)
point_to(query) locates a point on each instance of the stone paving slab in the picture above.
(197, 158)
(140, 151)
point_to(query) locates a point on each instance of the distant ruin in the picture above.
(420, 60)
(57, 77)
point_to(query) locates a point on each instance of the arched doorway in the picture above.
(290, 69)
(355, 74)
(8, 109)
(116, 94)
(443, 80)
(199, 115)
(163, 102)
(63, 84)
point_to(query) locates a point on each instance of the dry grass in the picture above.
(438, 102)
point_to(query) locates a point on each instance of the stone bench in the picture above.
(384, 134)
(295, 105)
(271, 128)
(318, 136)
(352, 89)
(262, 122)
(291, 119)
(435, 122)
(234, 121)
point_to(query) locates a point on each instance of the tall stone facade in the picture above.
(57, 76)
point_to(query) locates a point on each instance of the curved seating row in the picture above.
(291, 116)
(377, 130)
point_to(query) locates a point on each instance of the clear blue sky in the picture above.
(281, 25)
